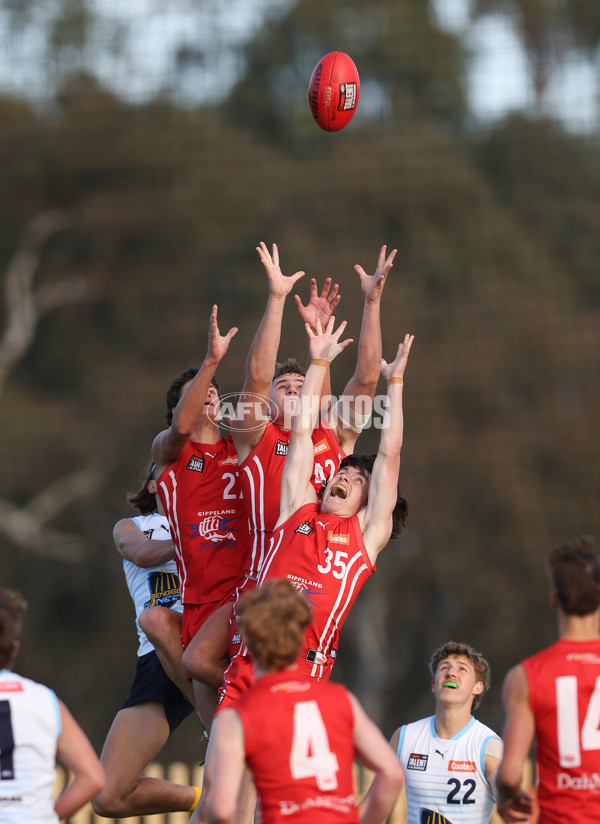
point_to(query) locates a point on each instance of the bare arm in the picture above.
(134, 546)
(169, 443)
(296, 487)
(375, 753)
(356, 404)
(514, 804)
(223, 770)
(377, 518)
(75, 752)
(260, 364)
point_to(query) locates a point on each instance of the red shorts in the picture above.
(239, 676)
(194, 615)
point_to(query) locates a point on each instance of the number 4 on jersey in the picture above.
(311, 756)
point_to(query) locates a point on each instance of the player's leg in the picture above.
(162, 626)
(136, 736)
(206, 656)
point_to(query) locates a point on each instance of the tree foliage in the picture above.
(495, 275)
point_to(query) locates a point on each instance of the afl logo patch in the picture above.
(196, 464)
(417, 761)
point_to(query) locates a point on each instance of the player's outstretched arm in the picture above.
(169, 443)
(223, 771)
(514, 803)
(321, 307)
(376, 754)
(134, 546)
(377, 518)
(354, 409)
(324, 346)
(262, 356)
(76, 753)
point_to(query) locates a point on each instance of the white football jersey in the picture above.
(152, 586)
(30, 726)
(446, 776)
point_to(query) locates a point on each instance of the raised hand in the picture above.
(324, 344)
(320, 306)
(279, 285)
(372, 285)
(218, 344)
(396, 368)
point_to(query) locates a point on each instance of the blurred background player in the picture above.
(298, 736)
(155, 706)
(554, 697)
(262, 432)
(199, 489)
(36, 729)
(450, 759)
(327, 545)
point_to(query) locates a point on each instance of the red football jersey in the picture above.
(260, 477)
(298, 736)
(564, 694)
(200, 494)
(325, 557)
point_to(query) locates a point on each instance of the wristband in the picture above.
(395, 380)
(197, 794)
(320, 362)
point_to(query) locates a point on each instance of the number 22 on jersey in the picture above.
(311, 756)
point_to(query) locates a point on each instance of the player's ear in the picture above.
(432, 685)
(478, 688)
(152, 486)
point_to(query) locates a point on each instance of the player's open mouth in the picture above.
(452, 684)
(339, 491)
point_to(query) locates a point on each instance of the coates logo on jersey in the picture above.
(11, 686)
(291, 686)
(584, 657)
(196, 464)
(336, 538)
(417, 761)
(304, 528)
(230, 461)
(461, 766)
(321, 446)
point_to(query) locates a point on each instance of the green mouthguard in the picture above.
(452, 684)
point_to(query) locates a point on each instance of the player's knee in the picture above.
(108, 804)
(156, 622)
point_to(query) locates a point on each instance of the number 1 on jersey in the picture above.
(567, 710)
(311, 756)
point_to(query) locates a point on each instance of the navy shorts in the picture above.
(151, 683)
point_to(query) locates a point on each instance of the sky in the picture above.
(497, 81)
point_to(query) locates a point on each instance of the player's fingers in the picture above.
(326, 287)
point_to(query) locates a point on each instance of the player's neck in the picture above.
(579, 627)
(206, 432)
(450, 720)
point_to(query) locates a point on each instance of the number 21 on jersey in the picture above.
(311, 756)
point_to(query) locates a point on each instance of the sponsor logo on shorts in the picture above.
(196, 463)
(304, 528)
(417, 761)
(461, 766)
(281, 448)
(586, 781)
